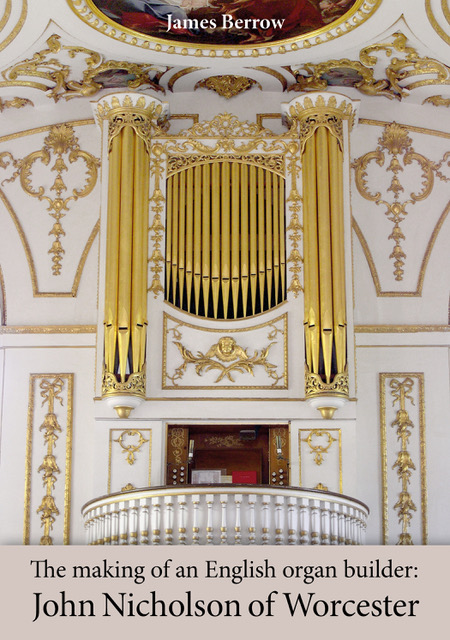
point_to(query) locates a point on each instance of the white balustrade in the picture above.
(233, 515)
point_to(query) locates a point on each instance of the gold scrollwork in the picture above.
(273, 162)
(131, 449)
(60, 144)
(225, 442)
(359, 74)
(157, 201)
(135, 384)
(15, 103)
(398, 144)
(227, 86)
(437, 101)
(226, 356)
(53, 76)
(177, 443)
(319, 450)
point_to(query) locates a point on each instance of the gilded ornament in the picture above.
(131, 449)
(319, 450)
(61, 144)
(437, 101)
(314, 385)
(226, 356)
(227, 86)
(53, 76)
(15, 103)
(134, 385)
(397, 143)
(50, 391)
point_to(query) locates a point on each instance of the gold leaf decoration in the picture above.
(227, 86)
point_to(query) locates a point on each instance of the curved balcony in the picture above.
(230, 515)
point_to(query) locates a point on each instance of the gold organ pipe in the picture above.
(337, 251)
(182, 236)
(169, 214)
(125, 248)
(276, 235)
(225, 237)
(261, 236)
(215, 235)
(175, 224)
(269, 237)
(235, 235)
(206, 236)
(253, 237)
(311, 258)
(189, 234)
(244, 237)
(197, 235)
(139, 261)
(282, 239)
(112, 252)
(324, 235)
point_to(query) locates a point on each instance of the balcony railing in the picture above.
(230, 515)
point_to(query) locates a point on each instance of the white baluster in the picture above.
(143, 521)
(265, 518)
(237, 523)
(107, 526)
(123, 525)
(305, 528)
(292, 520)
(251, 519)
(325, 523)
(342, 514)
(209, 518)
(168, 519)
(223, 524)
(279, 519)
(182, 515)
(315, 522)
(195, 519)
(133, 522)
(101, 526)
(334, 524)
(88, 527)
(156, 520)
(115, 526)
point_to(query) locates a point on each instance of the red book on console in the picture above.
(243, 477)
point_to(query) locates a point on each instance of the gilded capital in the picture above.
(308, 112)
(143, 113)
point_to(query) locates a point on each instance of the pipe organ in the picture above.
(225, 239)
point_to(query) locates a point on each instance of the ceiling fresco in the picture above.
(225, 22)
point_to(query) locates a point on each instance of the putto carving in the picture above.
(60, 145)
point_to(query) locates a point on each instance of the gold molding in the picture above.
(50, 391)
(111, 431)
(178, 336)
(35, 130)
(400, 328)
(180, 74)
(17, 27)
(56, 328)
(91, 15)
(403, 506)
(227, 86)
(412, 128)
(3, 314)
(435, 24)
(275, 74)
